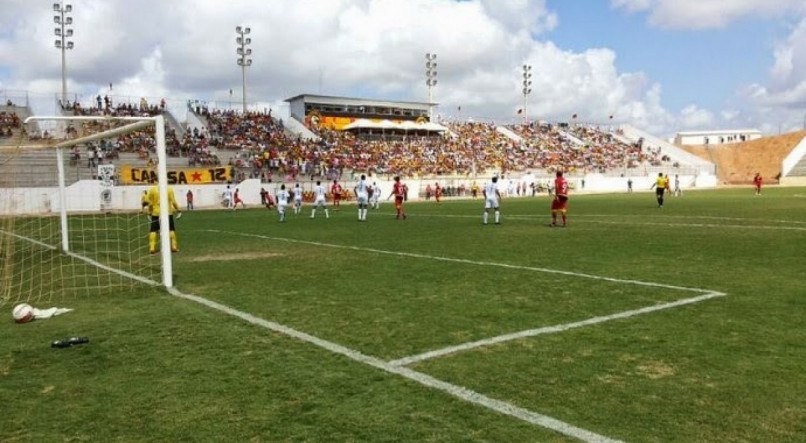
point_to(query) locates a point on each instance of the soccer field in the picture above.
(634, 323)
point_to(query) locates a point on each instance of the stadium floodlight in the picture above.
(243, 53)
(527, 89)
(430, 80)
(62, 44)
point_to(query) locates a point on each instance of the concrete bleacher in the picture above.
(793, 168)
(675, 153)
(298, 129)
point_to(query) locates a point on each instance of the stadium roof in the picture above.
(720, 132)
(335, 100)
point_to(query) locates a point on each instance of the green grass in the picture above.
(161, 368)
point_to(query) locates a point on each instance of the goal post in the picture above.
(112, 241)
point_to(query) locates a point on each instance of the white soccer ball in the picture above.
(23, 313)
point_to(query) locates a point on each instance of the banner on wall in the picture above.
(130, 175)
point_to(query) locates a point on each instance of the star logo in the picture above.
(196, 176)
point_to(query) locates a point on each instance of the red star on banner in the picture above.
(196, 176)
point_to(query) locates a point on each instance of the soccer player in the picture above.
(282, 201)
(335, 189)
(227, 197)
(660, 188)
(237, 199)
(319, 199)
(629, 186)
(375, 196)
(437, 192)
(678, 191)
(153, 200)
(297, 199)
(399, 190)
(144, 202)
(189, 198)
(757, 183)
(491, 198)
(474, 189)
(362, 197)
(560, 202)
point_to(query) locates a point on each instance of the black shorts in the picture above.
(155, 223)
(660, 191)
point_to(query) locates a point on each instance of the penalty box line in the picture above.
(549, 330)
(459, 392)
(464, 261)
(706, 295)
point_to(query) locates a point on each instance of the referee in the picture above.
(660, 186)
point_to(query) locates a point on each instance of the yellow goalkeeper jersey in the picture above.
(153, 199)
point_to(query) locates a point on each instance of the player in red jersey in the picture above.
(437, 192)
(757, 183)
(335, 189)
(560, 202)
(400, 191)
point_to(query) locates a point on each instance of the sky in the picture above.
(661, 65)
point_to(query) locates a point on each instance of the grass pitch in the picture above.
(730, 368)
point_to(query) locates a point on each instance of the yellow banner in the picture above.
(130, 175)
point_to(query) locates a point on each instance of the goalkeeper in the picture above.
(152, 201)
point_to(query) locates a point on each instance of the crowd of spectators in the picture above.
(257, 145)
(578, 148)
(9, 121)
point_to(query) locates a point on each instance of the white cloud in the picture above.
(370, 48)
(692, 117)
(703, 14)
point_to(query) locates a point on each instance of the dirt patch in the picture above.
(235, 256)
(737, 163)
(655, 370)
(48, 389)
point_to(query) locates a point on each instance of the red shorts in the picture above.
(398, 202)
(559, 203)
(336, 197)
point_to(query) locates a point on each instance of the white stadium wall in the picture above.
(94, 196)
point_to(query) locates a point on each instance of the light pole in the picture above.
(62, 34)
(243, 56)
(527, 89)
(430, 80)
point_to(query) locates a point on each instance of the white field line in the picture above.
(423, 379)
(463, 261)
(629, 222)
(426, 380)
(549, 329)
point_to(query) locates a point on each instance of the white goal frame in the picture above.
(136, 123)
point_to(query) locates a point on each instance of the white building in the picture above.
(716, 137)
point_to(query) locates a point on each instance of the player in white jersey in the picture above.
(282, 201)
(375, 198)
(297, 199)
(320, 201)
(227, 198)
(362, 197)
(491, 198)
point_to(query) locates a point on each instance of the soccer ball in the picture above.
(23, 313)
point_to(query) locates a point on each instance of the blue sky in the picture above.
(706, 67)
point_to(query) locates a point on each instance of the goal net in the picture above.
(66, 230)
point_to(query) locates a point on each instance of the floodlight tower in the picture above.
(243, 55)
(430, 79)
(527, 89)
(62, 34)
